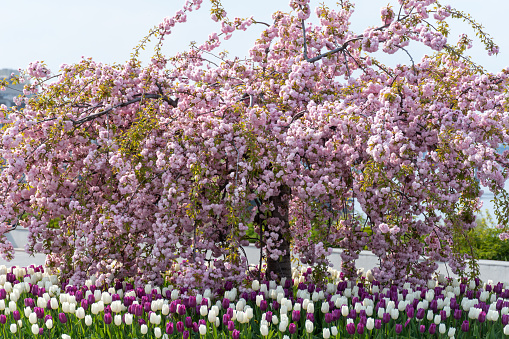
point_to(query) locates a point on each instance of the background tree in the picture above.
(139, 166)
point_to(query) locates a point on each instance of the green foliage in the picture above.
(485, 241)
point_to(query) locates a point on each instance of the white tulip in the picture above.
(309, 326)
(203, 310)
(117, 320)
(326, 333)
(32, 318)
(35, 329)
(441, 328)
(13, 328)
(88, 320)
(506, 329)
(165, 309)
(282, 326)
(264, 330)
(275, 319)
(128, 319)
(334, 330)
(344, 310)
(144, 329)
(49, 324)
(370, 324)
(54, 303)
(80, 313)
(202, 329)
(325, 307)
(452, 332)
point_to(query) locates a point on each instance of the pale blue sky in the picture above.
(61, 31)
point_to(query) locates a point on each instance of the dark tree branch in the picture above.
(305, 42)
(172, 102)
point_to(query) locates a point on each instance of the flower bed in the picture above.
(34, 303)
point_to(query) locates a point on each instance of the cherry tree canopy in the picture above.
(125, 169)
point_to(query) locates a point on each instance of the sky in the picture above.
(62, 31)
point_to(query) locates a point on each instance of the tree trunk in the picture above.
(283, 266)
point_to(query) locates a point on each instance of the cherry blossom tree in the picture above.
(127, 169)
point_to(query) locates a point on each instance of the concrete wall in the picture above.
(498, 271)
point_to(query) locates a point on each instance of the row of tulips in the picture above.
(35, 304)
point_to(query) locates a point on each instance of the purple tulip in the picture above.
(420, 313)
(16, 315)
(465, 326)
(146, 307)
(185, 335)
(62, 318)
(432, 328)
(39, 311)
(398, 328)
(231, 325)
(410, 311)
(295, 315)
(196, 328)
(180, 327)
(433, 305)
(275, 305)
(91, 299)
(107, 318)
(84, 304)
(169, 328)
(292, 328)
(226, 303)
(236, 334)
(226, 318)
(3, 319)
(229, 311)
(173, 307)
(407, 322)
(378, 324)
(202, 322)
(41, 331)
(350, 327)
(422, 328)
(29, 302)
(505, 319)
(482, 317)
(268, 316)
(360, 328)
(310, 317)
(189, 322)
(181, 309)
(386, 318)
(263, 305)
(457, 314)
(141, 321)
(46, 317)
(328, 318)
(336, 314)
(3, 293)
(138, 311)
